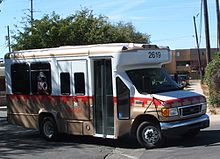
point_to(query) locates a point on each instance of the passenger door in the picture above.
(103, 98)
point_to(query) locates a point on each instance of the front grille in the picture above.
(190, 110)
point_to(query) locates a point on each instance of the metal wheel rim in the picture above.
(150, 135)
(48, 129)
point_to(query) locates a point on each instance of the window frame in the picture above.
(27, 79)
(123, 106)
(76, 80)
(33, 77)
(61, 84)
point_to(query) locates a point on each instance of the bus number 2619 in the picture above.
(154, 54)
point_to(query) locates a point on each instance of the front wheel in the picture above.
(48, 128)
(149, 135)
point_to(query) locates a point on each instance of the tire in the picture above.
(149, 135)
(48, 128)
(191, 134)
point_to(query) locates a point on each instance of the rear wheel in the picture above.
(48, 128)
(149, 135)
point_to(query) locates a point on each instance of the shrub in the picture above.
(212, 79)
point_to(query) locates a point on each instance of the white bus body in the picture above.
(106, 90)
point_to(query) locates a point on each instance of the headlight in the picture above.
(166, 112)
(204, 106)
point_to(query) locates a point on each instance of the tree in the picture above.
(81, 28)
(212, 76)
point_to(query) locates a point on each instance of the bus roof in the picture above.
(82, 50)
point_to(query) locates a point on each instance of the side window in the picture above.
(41, 78)
(123, 99)
(65, 83)
(79, 80)
(20, 78)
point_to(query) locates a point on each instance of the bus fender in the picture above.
(140, 119)
(43, 113)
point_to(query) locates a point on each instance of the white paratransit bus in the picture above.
(103, 90)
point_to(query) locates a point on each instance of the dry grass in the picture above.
(205, 89)
(214, 111)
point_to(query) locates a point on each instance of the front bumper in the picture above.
(185, 125)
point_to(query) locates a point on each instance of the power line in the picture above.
(3, 48)
(3, 44)
(173, 38)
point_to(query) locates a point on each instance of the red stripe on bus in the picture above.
(50, 98)
(85, 99)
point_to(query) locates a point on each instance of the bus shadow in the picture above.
(125, 142)
(204, 138)
(16, 140)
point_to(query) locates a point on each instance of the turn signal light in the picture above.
(167, 112)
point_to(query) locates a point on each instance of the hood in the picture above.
(176, 95)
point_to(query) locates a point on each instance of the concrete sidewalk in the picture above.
(195, 86)
(214, 118)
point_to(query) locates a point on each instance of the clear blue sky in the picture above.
(169, 22)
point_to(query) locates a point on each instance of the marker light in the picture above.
(204, 106)
(166, 112)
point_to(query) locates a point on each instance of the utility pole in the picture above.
(8, 39)
(32, 13)
(206, 20)
(198, 51)
(218, 25)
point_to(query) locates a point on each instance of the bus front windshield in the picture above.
(152, 80)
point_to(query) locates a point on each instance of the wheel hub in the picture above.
(151, 135)
(48, 129)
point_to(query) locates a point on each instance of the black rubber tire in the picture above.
(191, 134)
(149, 135)
(48, 128)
